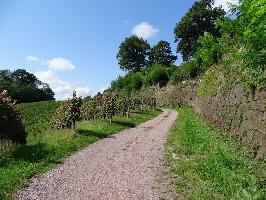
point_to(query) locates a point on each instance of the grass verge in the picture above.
(20, 165)
(208, 163)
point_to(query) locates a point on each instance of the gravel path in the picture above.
(127, 165)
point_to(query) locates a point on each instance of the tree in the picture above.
(157, 75)
(187, 70)
(133, 53)
(23, 86)
(201, 17)
(161, 53)
(68, 113)
(208, 53)
(24, 77)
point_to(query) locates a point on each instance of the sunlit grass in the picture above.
(209, 164)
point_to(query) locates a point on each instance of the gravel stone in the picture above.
(127, 165)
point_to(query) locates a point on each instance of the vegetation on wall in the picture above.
(232, 45)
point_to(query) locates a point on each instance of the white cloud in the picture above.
(144, 30)
(83, 91)
(31, 58)
(225, 3)
(62, 89)
(57, 64)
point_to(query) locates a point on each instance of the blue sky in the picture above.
(72, 44)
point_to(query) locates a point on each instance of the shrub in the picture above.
(109, 105)
(208, 53)
(124, 105)
(11, 127)
(252, 21)
(131, 82)
(157, 75)
(185, 71)
(68, 113)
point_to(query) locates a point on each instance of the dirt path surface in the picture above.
(127, 165)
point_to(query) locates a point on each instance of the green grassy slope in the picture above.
(208, 164)
(36, 117)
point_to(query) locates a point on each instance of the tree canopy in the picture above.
(133, 54)
(24, 86)
(201, 18)
(161, 53)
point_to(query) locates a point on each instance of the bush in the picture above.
(109, 105)
(157, 74)
(208, 53)
(131, 82)
(252, 20)
(11, 127)
(68, 113)
(188, 70)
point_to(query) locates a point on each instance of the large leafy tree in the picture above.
(200, 18)
(133, 53)
(24, 77)
(161, 53)
(24, 86)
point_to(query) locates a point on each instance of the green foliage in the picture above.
(133, 53)
(36, 118)
(110, 107)
(124, 105)
(239, 51)
(161, 53)
(109, 104)
(208, 164)
(157, 74)
(209, 83)
(200, 18)
(24, 77)
(187, 70)
(252, 20)
(132, 81)
(21, 164)
(147, 98)
(11, 127)
(68, 113)
(24, 86)
(243, 42)
(208, 53)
